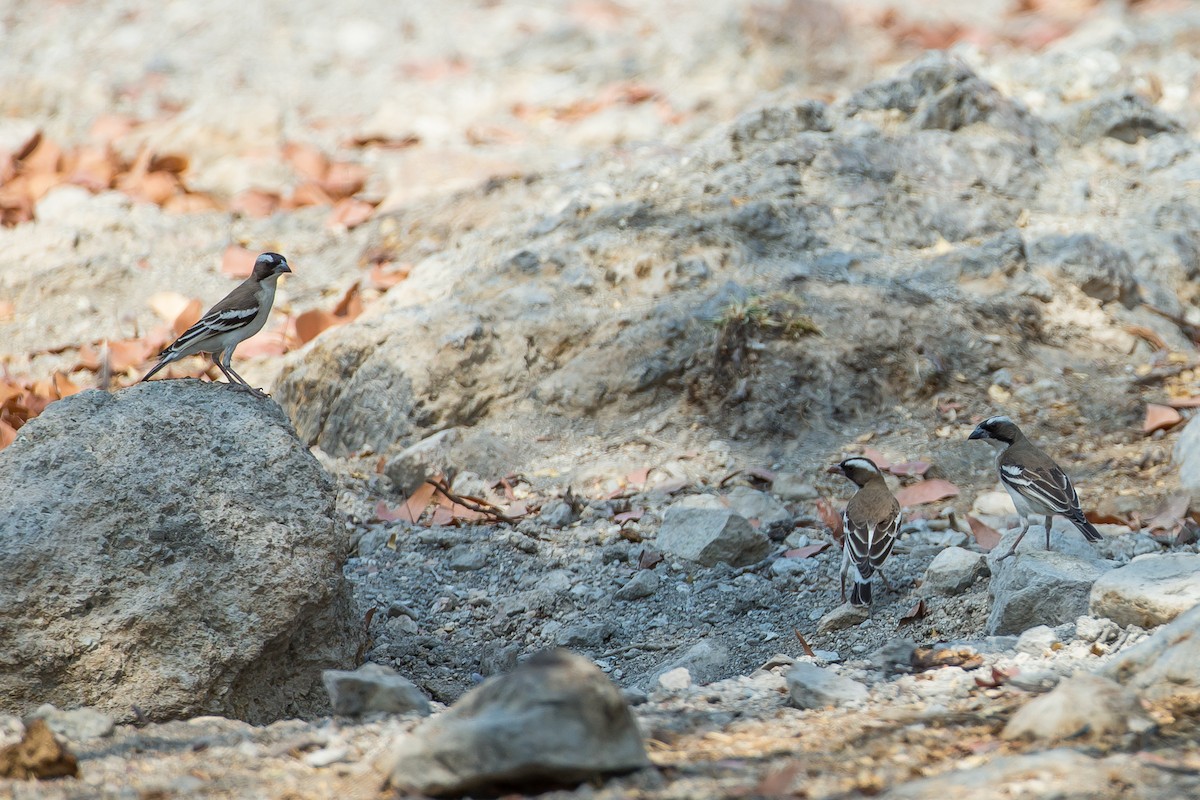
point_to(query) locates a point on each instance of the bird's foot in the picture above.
(245, 387)
(1012, 552)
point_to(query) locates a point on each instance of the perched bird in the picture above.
(1037, 485)
(869, 526)
(230, 322)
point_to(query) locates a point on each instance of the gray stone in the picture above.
(1063, 773)
(1003, 253)
(705, 662)
(1037, 641)
(556, 719)
(557, 514)
(1150, 590)
(152, 558)
(755, 505)
(1186, 455)
(894, 656)
(372, 688)
(644, 583)
(703, 529)
(1100, 269)
(588, 634)
(954, 570)
(431, 456)
(810, 686)
(1165, 665)
(844, 616)
(467, 558)
(791, 487)
(1083, 704)
(1123, 116)
(674, 680)
(1043, 587)
(77, 724)
(1096, 629)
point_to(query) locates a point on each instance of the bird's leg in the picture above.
(227, 368)
(843, 586)
(1012, 550)
(1049, 521)
(886, 582)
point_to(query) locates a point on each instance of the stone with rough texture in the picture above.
(755, 505)
(554, 720)
(810, 686)
(372, 688)
(1186, 455)
(173, 547)
(1165, 665)
(704, 661)
(76, 724)
(1037, 641)
(844, 616)
(954, 570)
(1062, 773)
(703, 529)
(431, 456)
(1148, 591)
(1043, 587)
(1081, 704)
(644, 583)
(1100, 269)
(791, 487)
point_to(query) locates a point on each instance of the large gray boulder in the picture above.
(1043, 587)
(703, 529)
(172, 547)
(554, 720)
(1165, 665)
(1148, 591)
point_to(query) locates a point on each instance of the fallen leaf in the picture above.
(918, 611)
(343, 180)
(909, 469)
(63, 387)
(306, 160)
(924, 658)
(808, 551)
(1160, 418)
(649, 559)
(237, 262)
(879, 458)
(188, 317)
(349, 213)
(985, 535)
(128, 353)
(350, 306)
(386, 142)
(1185, 402)
(7, 434)
(808, 651)
(632, 515)
(255, 203)
(831, 518)
(7, 311)
(926, 492)
(311, 323)
(168, 305)
(110, 127)
(1170, 517)
(762, 474)
(998, 677)
(1148, 335)
(638, 477)
(191, 203)
(778, 782)
(308, 194)
(384, 279)
(262, 344)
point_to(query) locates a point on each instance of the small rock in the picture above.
(702, 529)
(76, 725)
(327, 755)
(1164, 665)
(556, 719)
(811, 686)
(372, 687)
(844, 616)
(1096, 629)
(791, 487)
(1037, 640)
(704, 661)
(1035, 681)
(753, 504)
(590, 634)
(465, 558)
(644, 583)
(1081, 704)
(954, 570)
(1100, 269)
(1186, 455)
(409, 468)
(1150, 590)
(634, 696)
(895, 656)
(675, 679)
(557, 514)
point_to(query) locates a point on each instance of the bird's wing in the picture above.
(1045, 484)
(869, 540)
(237, 309)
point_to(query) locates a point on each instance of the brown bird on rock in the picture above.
(870, 525)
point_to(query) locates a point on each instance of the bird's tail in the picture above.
(860, 594)
(1086, 528)
(162, 363)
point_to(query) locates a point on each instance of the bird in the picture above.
(230, 322)
(870, 525)
(1037, 485)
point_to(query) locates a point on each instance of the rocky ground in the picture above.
(652, 256)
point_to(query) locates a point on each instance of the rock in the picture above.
(557, 514)
(954, 570)
(1081, 704)
(810, 686)
(1093, 629)
(791, 487)
(431, 456)
(894, 656)
(153, 559)
(755, 505)
(1100, 270)
(467, 558)
(1064, 773)
(1186, 455)
(1064, 538)
(1150, 590)
(644, 583)
(38, 755)
(1043, 587)
(1003, 253)
(1123, 116)
(1037, 641)
(704, 661)
(372, 688)
(1165, 665)
(588, 634)
(701, 528)
(77, 724)
(994, 504)
(844, 616)
(674, 680)
(555, 720)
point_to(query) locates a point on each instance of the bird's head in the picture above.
(997, 431)
(270, 265)
(858, 469)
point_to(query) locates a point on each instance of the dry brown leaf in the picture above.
(263, 343)
(308, 194)
(307, 160)
(7, 434)
(909, 469)
(63, 386)
(110, 127)
(7, 311)
(879, 458)
(89, 358)
(349, 213)
(649, 558)
(168, 305)
(1184, 402)
(831, 518)
(985, 535)
(311, 323)
(384, 279)
(343, 179)
(778, 782)
(807, 551)
(188, 317)
(384, 141)
(1160, 418)
(153, 187)
(918, 611)
(174, 163)
(924, 658)
(44, 157)
(350, 306)
(926, 492)
(998, 677)
(255, 203)
(804, 645)
(1170, 517)
(191, 203)
(638, 477)
(1147, 335)
(93, 167)
(128, 353)
(237, 262)
(632, 515)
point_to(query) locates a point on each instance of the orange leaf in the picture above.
(307, 160)
(350, 213)
(831, 518)
(1184, 402)
(343, 180)
(188, 317)
(255, 203)
(418, 501)
(128, 353)
(89, 358)
(7, 311)
(311, 323)
(350, 306)
(384, 279)
(909, 468)
(44, 157)
(879, 458)
(154, 187)
(63, 386)
(190, 203)
(173, 163)
(926, 492)
(916, 612)
(638, 476)
(985, 535)
(7, 434)
(237, 262)
(110, 127)
(1159, 418)
(807, 551)
(308, 194)
(263, 343)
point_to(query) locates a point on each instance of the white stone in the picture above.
(1148, 591)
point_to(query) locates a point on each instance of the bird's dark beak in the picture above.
(284, 268)
(836, 469)
(978, 433)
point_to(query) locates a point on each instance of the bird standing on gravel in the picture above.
(870, 524)
(230, 322)
(1037, 485)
